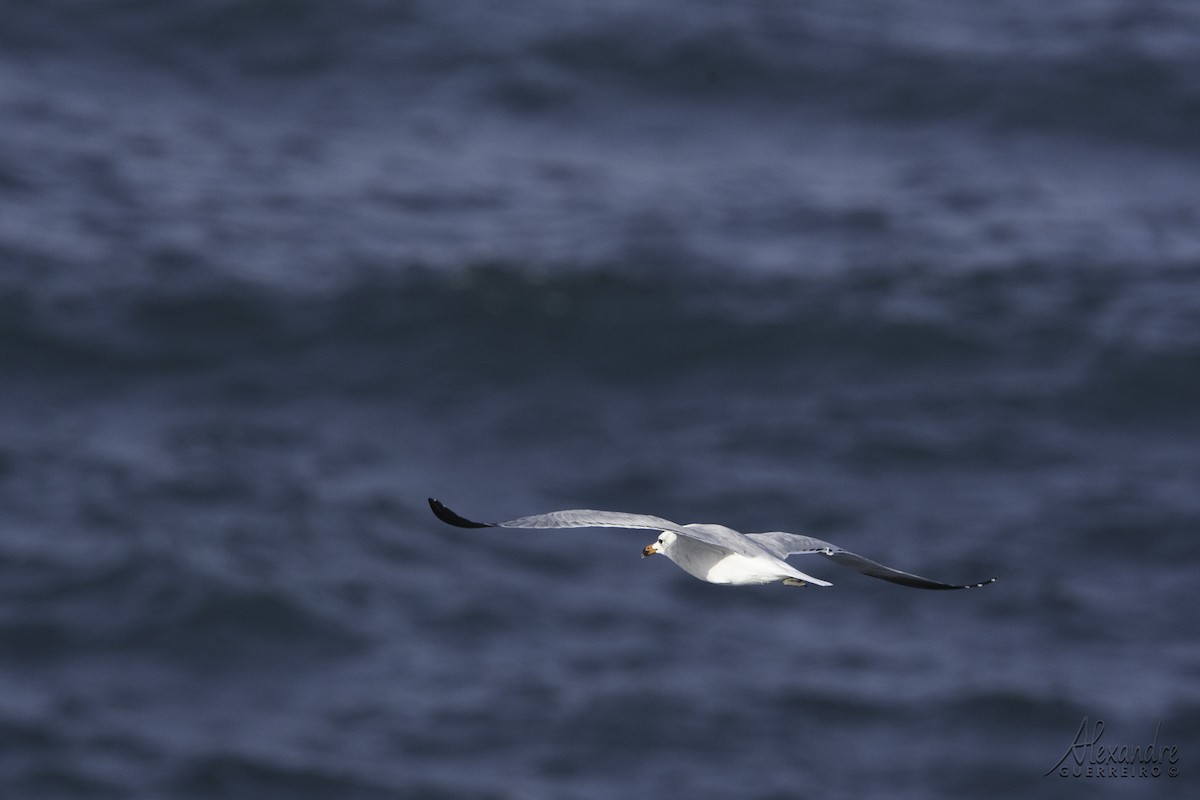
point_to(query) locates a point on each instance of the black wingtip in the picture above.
(979, 585)
(877, 570)
(450, 518)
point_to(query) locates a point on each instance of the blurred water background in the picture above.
(919, 277)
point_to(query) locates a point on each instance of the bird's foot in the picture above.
(794, 582)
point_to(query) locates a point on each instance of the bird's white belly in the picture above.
(739, 570)
(717, 565)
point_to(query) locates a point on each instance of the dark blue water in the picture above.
(920, 278)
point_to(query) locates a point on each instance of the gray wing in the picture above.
(783, 545)
(589, 518)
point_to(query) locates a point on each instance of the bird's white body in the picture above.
(708, 563)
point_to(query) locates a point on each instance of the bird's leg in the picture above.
(793, 582)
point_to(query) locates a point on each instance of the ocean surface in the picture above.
(921, 278)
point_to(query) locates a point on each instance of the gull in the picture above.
(715, 553)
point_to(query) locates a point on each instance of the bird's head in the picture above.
(661, 545)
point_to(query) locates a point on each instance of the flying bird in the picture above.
(715, 553)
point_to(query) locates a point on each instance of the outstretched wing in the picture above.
(783, 545)
(588, 518)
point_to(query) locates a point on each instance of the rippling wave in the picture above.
(922, 280)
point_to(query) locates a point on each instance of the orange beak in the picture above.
(649, 550)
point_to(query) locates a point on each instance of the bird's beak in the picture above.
(649, 550)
